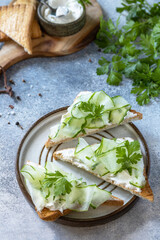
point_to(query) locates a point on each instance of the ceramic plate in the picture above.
(32, 149)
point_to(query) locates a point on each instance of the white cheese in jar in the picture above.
(70, 9)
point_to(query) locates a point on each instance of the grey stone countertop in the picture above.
(59, 80)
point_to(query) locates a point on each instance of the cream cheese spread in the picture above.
(67, 11)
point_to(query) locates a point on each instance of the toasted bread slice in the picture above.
(134, 116)
(16, 23)
(137, 116)
(3, 36)
(35, 28)
(146, 191)
(29, 2)
(49, 215)
(12, 2)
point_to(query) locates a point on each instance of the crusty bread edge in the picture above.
(146, 192)
(139, 116)
(48, 215)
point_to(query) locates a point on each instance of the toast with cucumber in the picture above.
(117, 161)
(56, 193)
(91, 113)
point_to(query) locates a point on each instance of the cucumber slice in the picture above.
(80, 198)
(94, 123)
(106, 145)
(81, 145)
(72, 128)
(117, 116)
(65, 121)
(77, 113)
(95, 146)
(86, 155)
(136, 185)
(54, 131)
(36, 195)
(34, 174)
(120, 102)
(101, 98)
(99, 168)
(105, 117)
(110, 161)
(100, 196)
(84, 97)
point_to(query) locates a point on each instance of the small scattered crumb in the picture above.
(12, 113)
(31, 86)
(24, 81)
(19, 125)
(39, 94)
(29, 94)
(90, 61)
(18, 98)
(12, 82)
(9, 123)
(11, 106)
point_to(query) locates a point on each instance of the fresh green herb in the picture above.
(83, 2)
(127, 155)
(91, 205)
(136, 49)
(47, 196)
(104, 173)
(94, 110)
(136, 185)
(58, 181)
(93, 167)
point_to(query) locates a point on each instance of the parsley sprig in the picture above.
(94, 110)
(83, 2)
(58, 181)
(127, 155)
(136, 49)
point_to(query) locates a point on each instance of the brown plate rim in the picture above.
(81, 222)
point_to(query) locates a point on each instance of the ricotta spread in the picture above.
(67, 11)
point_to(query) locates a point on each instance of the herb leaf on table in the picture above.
(135, 49)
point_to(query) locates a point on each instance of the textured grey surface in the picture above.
(59, 80)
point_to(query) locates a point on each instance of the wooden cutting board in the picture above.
(48, 46)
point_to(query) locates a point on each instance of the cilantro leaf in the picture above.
(59, 183)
